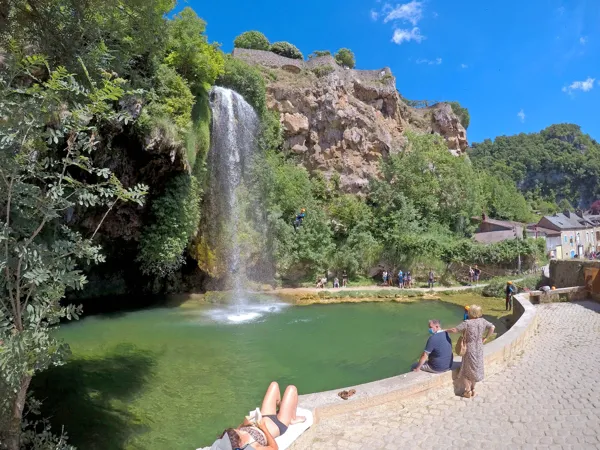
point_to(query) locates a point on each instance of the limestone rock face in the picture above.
(346, 121)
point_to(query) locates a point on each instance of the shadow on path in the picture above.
(90, 396)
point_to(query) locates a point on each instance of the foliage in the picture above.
(463, 114)
(198, 139)
(254, 40)
(319, 53)
(123, 35)
(497, 286)
(175, 218)
(345, 58)
(50, 132)
(286, 49)
(247, 81)
(595, 207)
(189, 52)
(442, 187)
(174, 99)
(502, 199)
(558, 163)
(321, 71)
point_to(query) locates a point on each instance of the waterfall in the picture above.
(234, 131)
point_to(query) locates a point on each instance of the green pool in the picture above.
(173, 378)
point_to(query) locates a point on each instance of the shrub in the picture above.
(175, 217)
(286, 49)
(246, 81)
(174, 97)
(318, 53)
(463, 114)
(254, 40)
(322, 71)
(345, 58)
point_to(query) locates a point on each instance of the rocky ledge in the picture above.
(344, 121)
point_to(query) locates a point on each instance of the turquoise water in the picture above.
(174, 378)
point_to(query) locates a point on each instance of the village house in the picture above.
(492, 230)
(570, 234)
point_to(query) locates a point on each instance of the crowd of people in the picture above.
(401, 279)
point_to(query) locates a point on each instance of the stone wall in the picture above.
(275, 61)
(498, 355)
(568, 273)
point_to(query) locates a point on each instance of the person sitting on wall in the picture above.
(277, 414)
(437, 356)
(299, 219)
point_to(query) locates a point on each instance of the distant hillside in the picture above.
(558, 164)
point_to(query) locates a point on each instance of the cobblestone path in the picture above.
(549, 398)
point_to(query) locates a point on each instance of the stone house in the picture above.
(493, 230)
(573, 234)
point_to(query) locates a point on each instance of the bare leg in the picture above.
(272, 400)
(289, 404)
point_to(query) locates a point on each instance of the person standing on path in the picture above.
(431, 279)
(400, 279)
(476, 274)
(510, 290)
(471, 369)
(384, 277)
(344, 279)
(471, 274)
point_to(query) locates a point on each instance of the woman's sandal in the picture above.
(467, 394)
(346, 394)
(473, 394)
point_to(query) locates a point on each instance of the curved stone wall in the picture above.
(497, 355)
(273, 60)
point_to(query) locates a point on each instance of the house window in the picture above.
(565, 239)
(587, 237)
(577, 237)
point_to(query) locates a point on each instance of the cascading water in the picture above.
(234, 130)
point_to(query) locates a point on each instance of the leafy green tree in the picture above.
(463, 114)
(286, 49)
(503, 200)
(254, 40)
(564, 205)
(345, 58)
(124, 35)
(559, 162)
(189, 52)
(50, 132)
(247, 81)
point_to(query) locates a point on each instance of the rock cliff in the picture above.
(343, 121)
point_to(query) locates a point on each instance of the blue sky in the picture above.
(518, 66)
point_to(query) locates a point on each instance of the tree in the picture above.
(189, 52)
(595, 207)
(51, 129)
(463, 114)
(345, 58)
(247, 81)
(254, 40)
(286, 49)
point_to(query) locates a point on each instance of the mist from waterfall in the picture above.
(234, 130)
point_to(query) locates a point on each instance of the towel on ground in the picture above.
(293, 432)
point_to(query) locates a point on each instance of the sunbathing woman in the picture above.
(273, 424)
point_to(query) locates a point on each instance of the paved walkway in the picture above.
(548, 398)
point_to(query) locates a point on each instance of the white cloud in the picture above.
(521, 115)
(464, 66)
(583, 40)
(584, 86)
(374, 14)
(408, 12)
(401, 36)
(431, 62)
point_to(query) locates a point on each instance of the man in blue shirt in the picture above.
(437, 356)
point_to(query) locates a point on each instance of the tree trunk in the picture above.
(13, 435)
